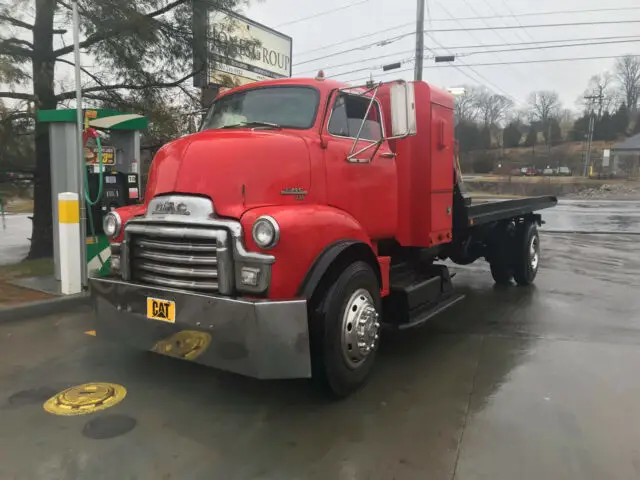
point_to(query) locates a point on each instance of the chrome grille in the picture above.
(176, 261)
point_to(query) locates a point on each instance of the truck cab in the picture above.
(303, 217)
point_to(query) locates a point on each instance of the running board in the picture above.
(425, 316)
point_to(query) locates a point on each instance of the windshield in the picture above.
(286, 107)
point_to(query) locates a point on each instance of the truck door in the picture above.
(365, 186)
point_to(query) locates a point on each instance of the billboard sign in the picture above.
(258, 52)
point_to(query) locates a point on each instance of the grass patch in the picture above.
(14, 295)
(19, 205)
(27, 268)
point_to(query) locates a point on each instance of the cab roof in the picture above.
(324, 85)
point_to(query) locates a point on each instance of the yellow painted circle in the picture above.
(86, 398)
(187, 344)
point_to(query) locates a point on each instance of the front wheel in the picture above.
(527, 253)
(346, 345)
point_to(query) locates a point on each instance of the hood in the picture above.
(237, 169)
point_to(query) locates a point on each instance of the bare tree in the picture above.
(492, 107)
(544, 105)
(628, 72)
(465, 109)
(600, 93)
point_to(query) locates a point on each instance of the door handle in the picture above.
(387, 155)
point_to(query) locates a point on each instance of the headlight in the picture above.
(266, 232)
(111, 224)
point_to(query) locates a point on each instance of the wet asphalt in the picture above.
(512, 383)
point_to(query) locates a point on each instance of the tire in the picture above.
(500, 256)
(501, 273)
(526, 253)
(339, 363)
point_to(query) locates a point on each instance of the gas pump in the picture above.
(111, 143)
(105, 187)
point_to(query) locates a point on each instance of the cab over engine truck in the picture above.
(304, 218)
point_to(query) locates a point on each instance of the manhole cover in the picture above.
(187, 344)
(86, 398)
(108, 426)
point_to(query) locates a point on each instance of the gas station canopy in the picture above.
(104, 118)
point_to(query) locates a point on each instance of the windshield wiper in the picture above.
(253, 124)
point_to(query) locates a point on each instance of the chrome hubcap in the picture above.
(360, 328)
(534, 252)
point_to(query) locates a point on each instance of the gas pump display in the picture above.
(108, 155)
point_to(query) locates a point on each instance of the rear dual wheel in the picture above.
(526, 253)
(515, 253)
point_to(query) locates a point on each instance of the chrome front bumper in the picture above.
(257, 338)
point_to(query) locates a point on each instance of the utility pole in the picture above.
(592, 123)
(419, 41)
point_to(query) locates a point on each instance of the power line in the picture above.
(536, 25)
(583, 41)
(390, 40)
(319, 14)
(514, 99)
(368, 59)
(570, 45)
(511, 15)
(519, 15)
(450, 51)
(473, 36)
(492, 64)
(359, 37)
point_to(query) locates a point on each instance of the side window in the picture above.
(348, 114)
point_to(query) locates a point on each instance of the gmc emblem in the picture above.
(171, 208)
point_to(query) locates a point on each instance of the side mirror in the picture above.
(403, 109)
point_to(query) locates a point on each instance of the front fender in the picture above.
(305, 231)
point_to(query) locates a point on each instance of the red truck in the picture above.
(300, 222)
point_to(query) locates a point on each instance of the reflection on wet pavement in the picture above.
(594, 216)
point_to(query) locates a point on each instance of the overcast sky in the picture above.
(391, 18)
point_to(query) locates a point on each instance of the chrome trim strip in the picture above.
(176, 258)
(180, 284)
(160, 245)
(178, 271)
(186, 233)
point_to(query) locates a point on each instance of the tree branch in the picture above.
(17, 41)
(17, 95)
(8, 47)
(100, 36)
(126, 86)
(114, 95)
(15, 22)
